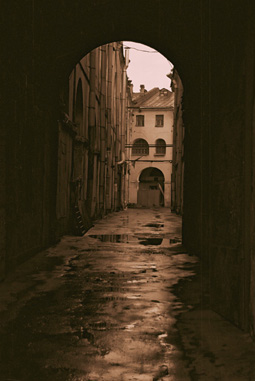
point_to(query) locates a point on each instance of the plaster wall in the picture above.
(151, 133)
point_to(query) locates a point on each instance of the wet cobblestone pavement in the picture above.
(105, 307)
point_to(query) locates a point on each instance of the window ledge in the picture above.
(140, 154)
(159, 154)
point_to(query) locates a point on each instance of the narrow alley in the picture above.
(120, 303)
(109, 108)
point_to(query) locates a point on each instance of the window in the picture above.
(160, 147)
(140, 147)
(140, 120)
(159, 121)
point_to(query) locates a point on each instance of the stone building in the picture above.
(178, 144)
(92, 139)
(150, 147)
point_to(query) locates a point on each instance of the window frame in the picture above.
(142, 118)
(142, 147)
(160, 148)
(159, 124)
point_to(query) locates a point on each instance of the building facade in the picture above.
(92, 138)
(150, 145)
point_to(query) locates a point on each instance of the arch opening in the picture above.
(121, 130)
(151, 188)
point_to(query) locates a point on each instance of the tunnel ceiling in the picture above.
(58, 34)
(51, 37)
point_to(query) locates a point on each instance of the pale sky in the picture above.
(149, 69)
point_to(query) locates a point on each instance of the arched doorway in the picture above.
(151, 188)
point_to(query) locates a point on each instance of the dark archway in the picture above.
(215, 60)
(151, 188)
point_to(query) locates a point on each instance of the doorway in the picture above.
(151, 188)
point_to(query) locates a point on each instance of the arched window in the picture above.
(160, 147)
(140, 147)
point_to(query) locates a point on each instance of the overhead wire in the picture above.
(146, 51)
(141, 50)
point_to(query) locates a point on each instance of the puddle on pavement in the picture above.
(85, 334)
(154, 225)
(151, 241)
(110, 298)
(126, 238)
(158, 241)
(115, 238)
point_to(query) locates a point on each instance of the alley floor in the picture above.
(121, 303)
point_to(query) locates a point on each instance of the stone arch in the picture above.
(151, 187)
(207, 61)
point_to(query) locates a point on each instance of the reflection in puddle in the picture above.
(117, 238)
(174, 240)
(155, 225)
(109, 298)
(162, 336)
(129, 327)
(85, 334)
(163, 341)
(137, 281)
(126, 238)
(151, 241)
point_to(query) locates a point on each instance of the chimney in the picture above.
(131, 86)
(142, 89)
(163, 92)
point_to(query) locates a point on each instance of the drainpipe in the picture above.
(102, 130)
(123, 120)
(117, 126)
(122, 159)
(92, 133)
(109, 127)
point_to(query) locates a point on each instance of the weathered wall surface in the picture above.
(2, 202)
(100, 143)
(228, 167)
(178, 145)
